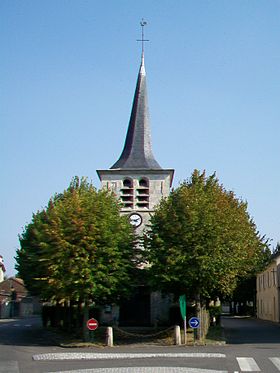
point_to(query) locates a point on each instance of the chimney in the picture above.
(2, 269)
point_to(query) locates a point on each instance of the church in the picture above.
(140, 183)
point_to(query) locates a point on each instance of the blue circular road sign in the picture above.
(194, 322)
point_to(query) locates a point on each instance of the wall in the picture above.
(268, 292)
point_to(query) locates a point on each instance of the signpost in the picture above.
(92, 324)
(194, 322)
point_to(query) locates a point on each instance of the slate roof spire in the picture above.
(137, 152)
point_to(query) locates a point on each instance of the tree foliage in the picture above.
(202, 240)
(78, 247)
(276, 250)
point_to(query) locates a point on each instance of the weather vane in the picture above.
(143, 23)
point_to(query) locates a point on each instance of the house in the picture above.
(15, 300)
(268, 296)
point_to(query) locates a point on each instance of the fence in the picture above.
(194, 335)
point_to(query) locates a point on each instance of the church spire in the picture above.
(137, 152)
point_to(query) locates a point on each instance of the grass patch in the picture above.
(215, 335)
(135, 336)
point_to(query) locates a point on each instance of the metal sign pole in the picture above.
(185, 330)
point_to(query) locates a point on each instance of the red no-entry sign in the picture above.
(92, 324)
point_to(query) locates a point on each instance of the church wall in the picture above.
(159, 185)
(159, 182)
(160, 308)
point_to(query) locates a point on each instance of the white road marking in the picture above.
(9, 366)
(144, 370)
(95, 356)
(275, 361)
(247, 364)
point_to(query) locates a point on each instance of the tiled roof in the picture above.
(13, 282)
(137, 152)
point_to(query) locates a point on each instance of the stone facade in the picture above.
(268, 296)
(146, 189)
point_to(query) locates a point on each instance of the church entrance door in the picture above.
(136, 311)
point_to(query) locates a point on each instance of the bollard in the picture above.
(177, 335)
(109, 337)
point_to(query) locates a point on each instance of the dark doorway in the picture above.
(136, 311)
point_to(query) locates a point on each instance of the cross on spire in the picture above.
(143, 23)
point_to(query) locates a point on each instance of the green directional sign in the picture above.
(183, 306)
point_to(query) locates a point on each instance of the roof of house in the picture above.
(13, 283)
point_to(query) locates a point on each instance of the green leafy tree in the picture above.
(202, 240)
(276, 250)
(78, 248)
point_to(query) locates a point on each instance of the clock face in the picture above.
(135, 220)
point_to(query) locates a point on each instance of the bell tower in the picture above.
(136, 177)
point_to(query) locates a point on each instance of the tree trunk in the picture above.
(198, 315)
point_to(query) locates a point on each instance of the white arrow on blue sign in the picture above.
(194, 322)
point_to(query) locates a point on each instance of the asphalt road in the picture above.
(252, 346)
(250, 331)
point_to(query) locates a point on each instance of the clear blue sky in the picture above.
(68, 74)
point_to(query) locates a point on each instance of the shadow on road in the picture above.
(237, 330)
(26, 332)
(246, 330)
